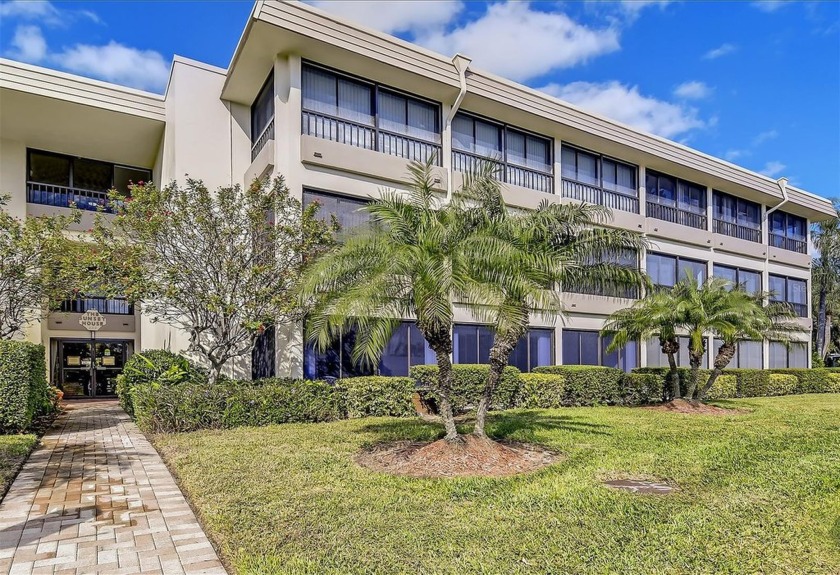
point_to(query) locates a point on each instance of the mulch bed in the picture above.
(471, 457)
(694, 408)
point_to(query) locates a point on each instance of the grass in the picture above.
(14, 449)
(759, 493)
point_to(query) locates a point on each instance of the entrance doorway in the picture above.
(85, 369)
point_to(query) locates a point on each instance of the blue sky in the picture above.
(757, 83)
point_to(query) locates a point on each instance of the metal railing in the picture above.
(800, 309)
(368, 137)
(676, 216)
(117, 306)
(510, 173)
(790, 244)
(65, 197)
(627, 292)
(267, 134)
(599, 196)
(736, 231)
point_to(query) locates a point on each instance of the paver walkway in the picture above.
(97, 498)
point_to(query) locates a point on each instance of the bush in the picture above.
(541, 390)
(641, 388)
(468, 382)
(24, 391)
(724, 387)
(809, 380)
(378, 396)
(833, 383)
(190, 406)
(152, 365)
(588, 384)
(763, 383)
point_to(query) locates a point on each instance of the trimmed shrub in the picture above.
(641, 388)
(808, 380)
(152, 365)
(588, 384)
(468, 381)
(782, 384)
(24, 391)
(833, 383)
(763, 383)
(378, 396)
(541, 390)
(725, 387)
(191, 406)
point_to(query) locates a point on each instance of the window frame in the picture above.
(269, 81)
(599, 162)
(678, 203)
(72, 160)
(784, 298)
(738, 270)
(620, 353)
(677, 260)
(738, 201)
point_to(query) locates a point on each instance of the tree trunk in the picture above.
(821, 321)
(694, 359)
(671, 347)
(722, 359)
(499, 356)
(214, 374)
(440, 341)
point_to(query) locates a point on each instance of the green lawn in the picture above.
(759, 493)
(14, 449)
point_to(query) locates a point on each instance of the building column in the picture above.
(642, 189)
(558, 168)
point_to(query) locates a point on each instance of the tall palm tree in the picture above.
(826, 274)
(412, 261)
(519, 257)
(654, 315)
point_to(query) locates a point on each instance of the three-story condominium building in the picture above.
(339, 110)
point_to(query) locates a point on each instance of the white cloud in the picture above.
(627, 105)
(513, 40)
(29, 9)
(772, 169)
(113, 62)
(734, 154)
(721, 50)
(693, 90)
(636, 6)
(28, 44)
(394, 17)
(770, 6)
(765, 137)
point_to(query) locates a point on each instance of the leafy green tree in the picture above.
(412, 261)
(519, 257)
(222, 266)
(825, 274)
(35, 272)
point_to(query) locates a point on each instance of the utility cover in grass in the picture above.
(640, 486)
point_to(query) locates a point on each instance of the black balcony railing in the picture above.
(368, 137)
(512, 174)
(627, 292)
(790, 244)
(267, 134)
(598, 196)
(676, 216)
(737, 231)
(65, 197)
(117, 306)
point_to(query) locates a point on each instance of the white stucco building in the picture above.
(339, 109)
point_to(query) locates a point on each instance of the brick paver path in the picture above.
(97, 498)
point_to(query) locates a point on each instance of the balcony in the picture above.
(259, 144)
(466, 162)
(598, 196)
(64, 197)
(627, 292)
(737, 231)
(368, 137)
(676, 216)
(116, 306)
(791, 244)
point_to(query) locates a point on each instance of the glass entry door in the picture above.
(86, 369)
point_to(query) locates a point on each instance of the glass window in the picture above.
(528, 151)
(335, 361)
(798, 355)
(124, 177)
(778, 290)
(462, 133)
(727, 273)
(394, 359)
(618, 177)
(580, 166)
(749, 280)
(735, 210)
(683, 359)
(347, 211)
(691, 197)
(778, 355)
(691, 268)
(589, 348)
(404, 115)
(328, 93)
(488, 139)
(319, 91)
(750, 355)
(262, 110)
(662, 270)
(661, 189)
(47, 168)
(791, 290)
(655, 357)
(533, 350)
(92, 175)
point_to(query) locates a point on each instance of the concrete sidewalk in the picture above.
(97, 498)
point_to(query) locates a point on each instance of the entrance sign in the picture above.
(92, 320)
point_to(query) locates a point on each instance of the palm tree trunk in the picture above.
(670, 347)
(695, 360)
(821, 320)
(499, 356)
(722, 359)
(440, 341)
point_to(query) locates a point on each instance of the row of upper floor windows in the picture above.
(353, 111)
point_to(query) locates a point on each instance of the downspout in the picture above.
(782, 183)
(462, 63)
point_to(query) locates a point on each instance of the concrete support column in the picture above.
(642, 190)
(558, 168)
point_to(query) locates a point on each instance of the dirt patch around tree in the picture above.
(471, 457)
(694, 408)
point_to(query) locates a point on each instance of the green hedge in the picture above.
(467, 384)
(24, 391)
(378, 396)
(725, 387)
(816, 380)
(587, 384)
(541, 390)
(641, 388)
(153, 365)
(191, 406)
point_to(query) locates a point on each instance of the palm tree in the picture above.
(826, 275)
(519, 257)
(651, 316)
(411, 262)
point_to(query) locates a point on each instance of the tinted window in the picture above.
(49, 169)
(662, 270)
(262, 110)
(346, 210)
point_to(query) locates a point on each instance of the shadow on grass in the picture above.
(522, 424)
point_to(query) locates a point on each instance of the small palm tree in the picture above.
(410, 262)
(519, 257)
(826, 275)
